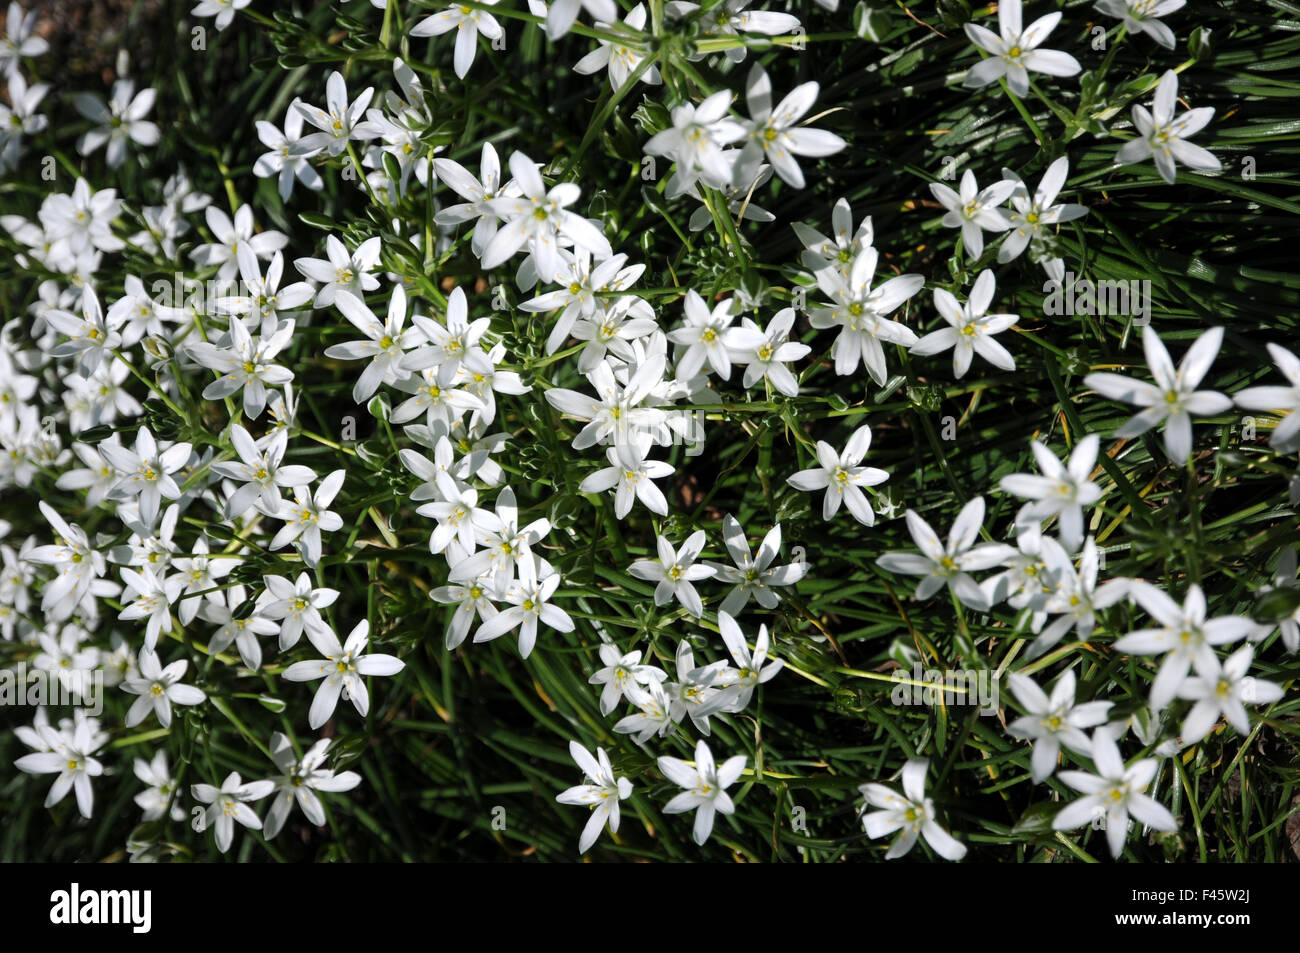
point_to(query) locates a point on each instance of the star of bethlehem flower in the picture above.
(613, 331)
(1284, 401)
(264, 299)
(561, 14)
(1184, 637)
(450, 346)
(159, 794)
(19, 41)
(697, 141)
(146, 472)
(1223, 689)
(580, 281)
(120, 120)
(400, 135)
(79, 566)
(1173, 398)
(458, 514)
(340, 121)
(299, 780)
(472, 603)
(1062, 490)
(70, 756)
(601, 795)
(505, 543)
(386, 344)
(1050, 722)
(949, 565)
(288, 159)
(1112, 794)
(1032, 216)
(695, 693)
(631, 477)
(621, 59)
(245, 364)
(1163, 138)
(753, 668)
(19, 118)
(201, 573)
(242, 632)
(775, 135)
(754, 576)
(307, 516)
(621, 673)
(1016, 51)
(842, 249)
(765, 352)
(298, 604)
(482, 380)
(730, 18)
(842, 477)
(229, 803)
(341, 669)
(706, 336)
(342, 270)
(149, 547)
(1077, 598)
(101, 398)
(158, 689)
(912, 813)
(706, 786)
(427, 471)
(260, 471)
(478, 193)
(138, 315)
(529, 598)
(539, 219)
(65, 658)
(675, 571)
(91, 334)
(1284, 577)
(654, 712)
(230, 236)
(859, 311)
(223, 10)
(974, 210)
(82, 220)
(468, 24)
(1030, 576)
(1143, 16)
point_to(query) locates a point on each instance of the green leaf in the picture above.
(1037, 818)
(316, 220)
(1277, 604)
(870, 23)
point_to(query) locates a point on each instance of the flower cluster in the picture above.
(203, 545)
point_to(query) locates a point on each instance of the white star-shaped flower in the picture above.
(842, 477)
(1016, 51)
(970, 330)
(1173, 398)
(1163, 138)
